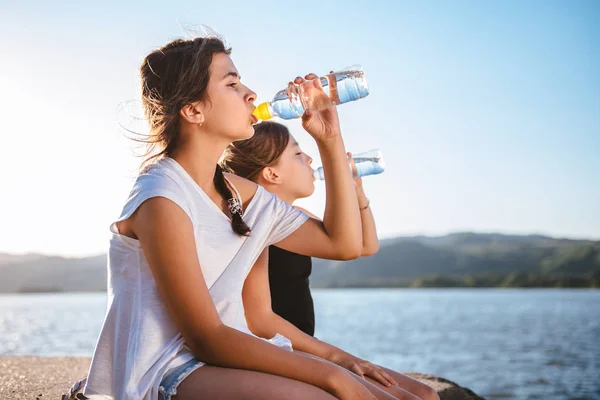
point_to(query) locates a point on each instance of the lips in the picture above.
(254, 119)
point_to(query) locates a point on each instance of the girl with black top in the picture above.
(276, 293)
(289, 272)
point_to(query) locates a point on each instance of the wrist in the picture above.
(331, 139)
(335, 355)
(363, 202)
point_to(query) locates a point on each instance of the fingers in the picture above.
(352, 166)
(379, 378)
(350, 159)
(379, 374)
(388, 377)
(357, 370)
(333, 92)
(308, 77)
(383, 378)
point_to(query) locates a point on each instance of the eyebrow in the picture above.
(231, 73)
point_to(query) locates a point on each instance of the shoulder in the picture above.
(156, 183)
(246, 187)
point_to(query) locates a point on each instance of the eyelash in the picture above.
(232, 84)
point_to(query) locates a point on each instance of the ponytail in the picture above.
(235, 210)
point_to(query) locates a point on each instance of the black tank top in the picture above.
(290, 293)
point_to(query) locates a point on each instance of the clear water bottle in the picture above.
(339, 87)
(368, 163)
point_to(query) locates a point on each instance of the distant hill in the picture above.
(459, 259)
(468, 259)
(51, 274)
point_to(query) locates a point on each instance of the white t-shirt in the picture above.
(139, 341)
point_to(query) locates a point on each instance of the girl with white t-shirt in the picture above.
(189, 234)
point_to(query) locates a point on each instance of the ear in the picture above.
(193, 113)
(270, 175)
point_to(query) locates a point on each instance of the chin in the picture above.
(243, 134)
(309, 190)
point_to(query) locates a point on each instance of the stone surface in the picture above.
(47, 378)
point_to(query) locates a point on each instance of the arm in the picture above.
(167, 238)
(263, 322)
(339, 235)
(370, 244)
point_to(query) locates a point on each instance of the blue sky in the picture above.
(488, 113)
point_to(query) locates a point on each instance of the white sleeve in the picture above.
(149, 186)
(286, 219)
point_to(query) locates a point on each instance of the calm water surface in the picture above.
(503, 344)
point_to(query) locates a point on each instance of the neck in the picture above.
(288, 199)
(198, 155)
(282, 195)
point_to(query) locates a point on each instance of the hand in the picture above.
(357, 179)
(363, 368)
(320, 124)
(345, 387)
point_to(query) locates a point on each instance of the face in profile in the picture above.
(295, 171)
(228, 108)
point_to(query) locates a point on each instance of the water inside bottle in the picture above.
(368, 163)
(366, 167)
(349, 84)
(339, 87)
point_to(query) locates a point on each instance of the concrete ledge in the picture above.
(47, 378)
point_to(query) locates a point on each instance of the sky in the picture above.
(487, 113)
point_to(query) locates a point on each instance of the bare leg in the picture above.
(208, 382)
(384, 392)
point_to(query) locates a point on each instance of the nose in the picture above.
(309, 159)
(250, 96)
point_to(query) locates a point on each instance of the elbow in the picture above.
(345, 249)
(370, 250)
(350, 256)
(349, 253)
(205, 345)
(259, 324)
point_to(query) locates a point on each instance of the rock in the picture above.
(25, 378)
(447, 390)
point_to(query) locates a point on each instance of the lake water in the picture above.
(503, 344)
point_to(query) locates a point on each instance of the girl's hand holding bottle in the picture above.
(322, 124)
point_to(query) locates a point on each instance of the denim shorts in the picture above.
(174, 376)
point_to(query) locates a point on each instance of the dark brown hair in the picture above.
(248, 157)
(173, 76)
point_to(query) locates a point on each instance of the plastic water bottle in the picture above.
(368, 163)
(339, 87)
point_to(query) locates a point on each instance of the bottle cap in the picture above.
(262, 112)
